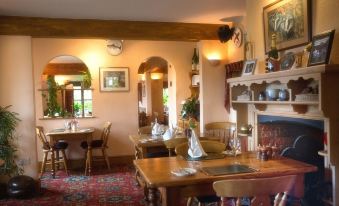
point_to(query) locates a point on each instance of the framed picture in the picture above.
(321, 48)
(249, 67)
(114, 79)
(290, 20)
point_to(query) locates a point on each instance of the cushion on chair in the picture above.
(61, 145)
(94, 143)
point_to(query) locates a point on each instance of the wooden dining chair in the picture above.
(207, 145)
(223, 130)
(172, 143)
(53, 150)
(145, 130)
(260, 189)
(99, 144)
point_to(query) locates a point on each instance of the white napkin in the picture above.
(170, 133)
(195, 149)
(157, 129)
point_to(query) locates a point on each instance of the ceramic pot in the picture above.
(283, 95)
(272, 94)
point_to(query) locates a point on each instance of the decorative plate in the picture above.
(186, 171)
(287, 61)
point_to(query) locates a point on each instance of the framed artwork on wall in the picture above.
(290, 20)
(114, 79)
(321, 48)
(249, 67)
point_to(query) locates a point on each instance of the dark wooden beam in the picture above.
(108, 29)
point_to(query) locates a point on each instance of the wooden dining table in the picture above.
(83, 133)
(157, 175)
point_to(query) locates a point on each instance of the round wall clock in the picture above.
(114, 47)
(237, 37)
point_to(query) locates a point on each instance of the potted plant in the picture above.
(8, 123)
(53, 107)
(190, 109)
(87, 80)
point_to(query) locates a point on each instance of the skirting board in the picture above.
(74, 164)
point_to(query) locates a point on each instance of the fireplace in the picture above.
(283, 131)
(299, 139)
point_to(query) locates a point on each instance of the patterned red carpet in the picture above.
(118, 187)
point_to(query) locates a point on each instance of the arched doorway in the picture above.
(155, 91)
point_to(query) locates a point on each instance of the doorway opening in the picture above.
(154, 91)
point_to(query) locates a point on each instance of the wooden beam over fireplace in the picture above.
(107, 29)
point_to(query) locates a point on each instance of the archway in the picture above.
(156, 91)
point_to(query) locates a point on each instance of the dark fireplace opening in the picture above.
(299, 139)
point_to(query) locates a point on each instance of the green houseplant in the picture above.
(8, 123)
(51, 97)
(190, 109)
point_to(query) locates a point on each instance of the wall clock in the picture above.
(114, 47)
(237, 37)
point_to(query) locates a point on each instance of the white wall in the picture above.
(16, 89)
(212, 83)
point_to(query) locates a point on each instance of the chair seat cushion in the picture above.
(94, 144)
(61, 145)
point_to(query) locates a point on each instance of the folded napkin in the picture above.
(170, 133)
(195, 149)
(157, 129)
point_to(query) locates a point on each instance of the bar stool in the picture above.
(53, 150)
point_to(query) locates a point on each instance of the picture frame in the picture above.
(321, 48)
(114, 79)
(249, 67)
(290, 21)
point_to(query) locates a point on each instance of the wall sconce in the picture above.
(156, 76)
(214, 62)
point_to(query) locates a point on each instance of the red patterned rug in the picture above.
(117, 187)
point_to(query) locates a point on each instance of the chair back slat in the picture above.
(42, 137)
(208, 146)
(260, 188)
(223, 130)
(105, 133)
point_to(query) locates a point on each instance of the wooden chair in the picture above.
(53, 150)
(260, 189)
(145, 130)
(99, 144)
(208, 146)
(223, 130)
(172, 143)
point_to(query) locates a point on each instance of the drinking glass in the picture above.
(234, 143)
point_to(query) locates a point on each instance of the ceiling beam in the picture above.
(107, 29)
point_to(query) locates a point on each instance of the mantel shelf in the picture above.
(293, 74)
(277, 102)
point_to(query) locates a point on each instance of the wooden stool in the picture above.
(53, 150)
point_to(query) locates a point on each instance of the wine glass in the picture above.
(234, 144)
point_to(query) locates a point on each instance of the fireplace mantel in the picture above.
(323, 103)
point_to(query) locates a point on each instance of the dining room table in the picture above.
(167, 187)
(83, 133)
